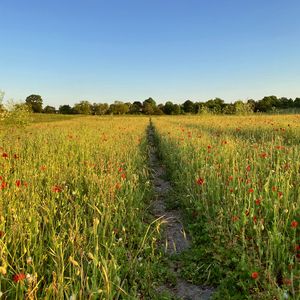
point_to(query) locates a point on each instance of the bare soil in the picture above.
(175, 238)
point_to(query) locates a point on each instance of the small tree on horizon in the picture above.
(35, 103)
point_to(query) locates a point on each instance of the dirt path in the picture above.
(175, 239)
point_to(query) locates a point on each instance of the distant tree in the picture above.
(157, 111)
(100, 108)
(149, 106)
(136, 107)
(65, 110)
(49, 110)
(284, 102)
(2, 109)
(83, 108)
(118, 108)
(267, 103)
(242, 108)
(35, 102)
(215, 105)
(229, 109)
(188, 106)
(168, 108)
(253, 104)
(176, 109)
(297, 102)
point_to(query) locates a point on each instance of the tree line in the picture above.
(150, 107)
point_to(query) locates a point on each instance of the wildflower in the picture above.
(257, 201)
(234, 218)
(56, 189)
(254, 275)
(19, 277)
(263, 155)
(280, 194)
(123, 176)
(248, 168)
(294, 224)
(3, 185)
(254, 219)
(287, 281)
(200, 181)
(297, 248)
(42, 168)
(5, 155)
(18, 183)
(251, 190)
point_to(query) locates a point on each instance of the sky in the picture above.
(129, 50)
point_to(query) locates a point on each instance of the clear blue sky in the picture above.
(106, 50)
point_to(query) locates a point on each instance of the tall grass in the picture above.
(238, 180)
(73, 219)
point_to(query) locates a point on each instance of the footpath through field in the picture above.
(175, 240)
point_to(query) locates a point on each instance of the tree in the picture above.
(297, 102)
(215, 105)
(168, 108)
(188, 106)
(49, 110)
(65, 110)
(267, 103)
(35, 102)
(83, 108)
(242, 108)
(136, 107)
(100, 108)
(149, 106)
(2, 109)
(118, 108)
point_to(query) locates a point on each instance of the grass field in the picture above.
(237, 178)
(74, 197)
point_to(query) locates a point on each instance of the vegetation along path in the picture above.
(175, 240)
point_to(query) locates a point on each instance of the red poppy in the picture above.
(3, 185)
(248, 168)
(123, 176)
(254, 275)
(56, 189)
(251, 190)
(234, 218)
(280, 194)
(42, 168)
(200, 181)
(297, 248)
(263, 155)
(287, 281)
(257, 201)
(294, 224)
(18, 183)
(254, 219)
(5, 155)
(19, 277)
